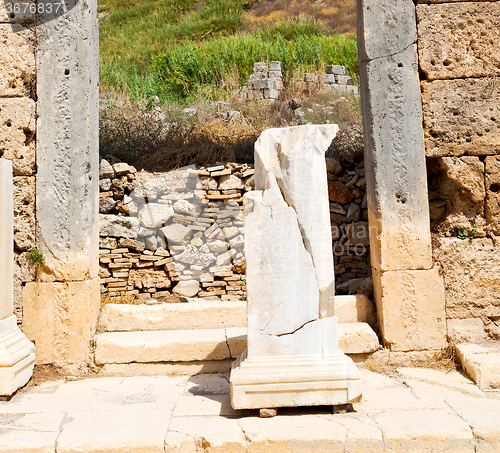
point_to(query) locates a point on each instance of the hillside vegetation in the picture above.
(180, 50)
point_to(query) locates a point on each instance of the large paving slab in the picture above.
(193, 414)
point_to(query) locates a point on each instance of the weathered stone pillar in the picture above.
(293, 356)
(61, 309)
(17, 354)
(409, 292)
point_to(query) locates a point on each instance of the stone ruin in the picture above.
(293, 356)
(430, 101)
(264, 84)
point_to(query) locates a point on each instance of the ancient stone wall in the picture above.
(459, 65)
(17, 135)
(182, 233)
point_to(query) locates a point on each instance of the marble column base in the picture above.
(17, 357)
(291, 381)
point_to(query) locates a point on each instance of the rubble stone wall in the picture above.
(458, 61)
(17, 137)
(181, 233)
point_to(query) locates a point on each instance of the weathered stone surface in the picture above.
(461, 117)
(67, 67)
(197, 256)
(185, 207)
(410, 306)
(385, 28)
(16, 16)
(121, 168)
(352, 309)
(177, 233)
(148, 278)
(161, 346)
(358, 234)
(17, 60)
(339, 193)
(106, 170)
(118, 226)
(61, 319)
(106, 204)
(197, 314)
(155, 215)
(187, 288)
(466, 330)
(471, 271)
(492, 183)
(459, 40)
(468, 173)
(333, 165)
(282, 154)
(357, 338)
(396, 176)
(482, 363)
(291, 327)
(24, 212)
(17, 134)
(229, 182)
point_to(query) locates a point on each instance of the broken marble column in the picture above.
(293, 356)
(17, 353)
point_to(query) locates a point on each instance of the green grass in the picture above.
(174, 48)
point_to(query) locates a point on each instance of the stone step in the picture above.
(482, 364)
(204, 345)
(206, 314)
(195, 314)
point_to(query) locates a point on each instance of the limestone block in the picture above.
(155, 215)
(461, 117)
(468, 173)
(295, 157)
(422, 429)
(358, 234)
(492, 183)
(410, 306)
(17, 134)
(148, 278)
(197, 314)
(61, 319)
(24, 212)
(161, 346)
(352, 309)
(459, 40)
(219, 434)
(185, 207)
(17, 60)
(482, 363)
(471, 270)
(385, 28)
(196, 256)
(229, 182)
(466, 330)
(357, 338)
(118, 226)
(396, 176)
(177, 233)
(187, 288)
(67, 130)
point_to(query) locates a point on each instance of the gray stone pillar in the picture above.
(17, 354)
(408, 292)
(61, 309)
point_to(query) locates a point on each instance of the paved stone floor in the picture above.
(415, 409)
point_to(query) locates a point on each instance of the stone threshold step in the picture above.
(204, 344)
(482, 364)
(206, 314)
